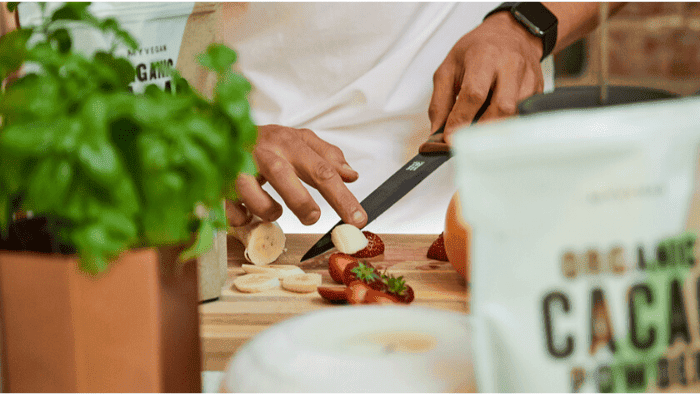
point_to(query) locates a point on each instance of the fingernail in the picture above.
(347, 167)
(358, 217)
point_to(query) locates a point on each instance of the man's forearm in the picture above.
(576, 20)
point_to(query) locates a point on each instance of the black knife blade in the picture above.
(397, 186)
(393, 189)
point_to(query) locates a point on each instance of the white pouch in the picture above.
(584, 275)
(172, 34)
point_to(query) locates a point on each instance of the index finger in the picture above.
(473, 98)
(444, 95)
(320, 174)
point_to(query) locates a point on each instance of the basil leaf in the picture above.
(119, 225)
(154, 152)
(121, 71)
(72, 11)
(248, 166)
(218, 58)
(100, 163)
(203, 243)
(32, 139)
(62, 39)
(49, 184)
(13, 51)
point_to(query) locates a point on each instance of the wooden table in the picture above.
(227, 323)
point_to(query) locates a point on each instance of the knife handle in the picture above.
(435, 143)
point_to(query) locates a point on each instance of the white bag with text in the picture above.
(584, 256)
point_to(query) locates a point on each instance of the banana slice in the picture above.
(302, 283)
(264, 241)
(281, 271)
(348, 238)
(257, 282)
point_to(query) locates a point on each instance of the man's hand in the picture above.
(500, 55)
(285, 157)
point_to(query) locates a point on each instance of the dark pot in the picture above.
(589, 97)
(34, 234)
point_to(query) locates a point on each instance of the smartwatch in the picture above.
(536, 18)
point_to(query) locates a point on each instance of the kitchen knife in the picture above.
(432, 154)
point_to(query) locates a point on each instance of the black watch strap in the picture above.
(536, 19)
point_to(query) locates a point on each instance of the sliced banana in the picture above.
(257, 282)
(348, 238)
(281, 271)
(302, 283)
(264, 241)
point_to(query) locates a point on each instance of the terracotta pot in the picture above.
(135, 328)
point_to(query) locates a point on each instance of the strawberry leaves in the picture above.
(365, 272)
(394, 285)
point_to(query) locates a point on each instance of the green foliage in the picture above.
(395, 285)
(113, 169)
(365, 272)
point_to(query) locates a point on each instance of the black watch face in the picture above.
(536, 15)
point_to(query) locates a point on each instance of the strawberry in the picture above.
(379, 297)
(409, 296)
(333, 293)
(362, 271)
(356, 291)
(375, 246)
(397, 287)
(337, 263)
(437, 249)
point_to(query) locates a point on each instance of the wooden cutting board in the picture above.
(227, 323)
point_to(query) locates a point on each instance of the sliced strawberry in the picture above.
(333, 293)
(356, 291)
(375, 246)
(374, 296)
(437, 249)
(337, 263)
(362, 271)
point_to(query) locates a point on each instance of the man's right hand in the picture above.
(284, 157)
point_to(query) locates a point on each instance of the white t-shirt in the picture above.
(360, 76)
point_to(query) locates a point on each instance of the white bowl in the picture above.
(358, 349)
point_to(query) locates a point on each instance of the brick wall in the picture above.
(650, 44)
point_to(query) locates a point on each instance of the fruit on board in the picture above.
(337, 262)
(397, 288)
(281, 271)
(257, 282)
(348, 238)
(457, 237)
(333, 293)
(363, 271)
(356, 291)
(374, 248)
(264, 241)
(302, 283)
(437, 249)
(373, 296)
